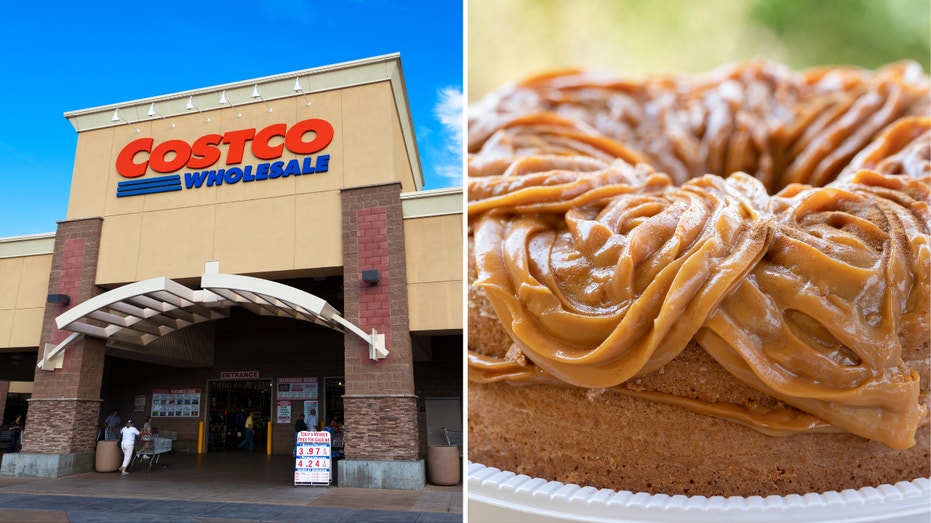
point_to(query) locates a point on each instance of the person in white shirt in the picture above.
(128, 443)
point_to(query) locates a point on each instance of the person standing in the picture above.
(112, 424)
(147, 436)
(16, 430)
(240, 424)
(312, 422)
(249, 434)
(299, 427)
(128, 443)
(336, 438)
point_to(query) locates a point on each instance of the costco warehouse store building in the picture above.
(262, 246)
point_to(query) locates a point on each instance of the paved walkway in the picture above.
(216, 488)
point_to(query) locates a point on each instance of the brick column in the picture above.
(65, 403)
(380, 405)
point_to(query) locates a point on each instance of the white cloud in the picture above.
(449, 112)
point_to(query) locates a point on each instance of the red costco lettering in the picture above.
(260, 144)
(180, 153)
(204, 151)
(268, 143)
(124, 161)
(295, 143)
(237, 141)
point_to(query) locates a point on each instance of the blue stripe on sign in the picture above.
(148, 191)
(147, 181)
(149, 186)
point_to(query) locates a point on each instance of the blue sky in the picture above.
(63, 56)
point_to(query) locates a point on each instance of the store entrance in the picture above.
(230, 402)
(333, 391)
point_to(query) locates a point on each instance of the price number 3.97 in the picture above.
(312, 451)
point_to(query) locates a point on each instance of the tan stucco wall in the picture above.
(23, 292)
(277, 227)
(434, 272)
(434, 265)
(266, 226)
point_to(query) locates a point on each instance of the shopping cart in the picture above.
(337, 443)
(149, 450)
(453, 437)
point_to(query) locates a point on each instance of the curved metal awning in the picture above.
(138, 314)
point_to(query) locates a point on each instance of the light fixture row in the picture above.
(256, 94)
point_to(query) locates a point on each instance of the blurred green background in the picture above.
(509, 39)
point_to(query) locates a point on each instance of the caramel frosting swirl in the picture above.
(605, 250)
(764, 119)
(600, 292)
(821, 319)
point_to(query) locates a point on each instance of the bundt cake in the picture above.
(714, 284)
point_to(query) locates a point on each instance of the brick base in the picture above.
(61, 426)
(381, 427)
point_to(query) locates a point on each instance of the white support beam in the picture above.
(291, 299)
(139, 313)
(53, 357)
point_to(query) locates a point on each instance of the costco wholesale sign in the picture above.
(197, 160)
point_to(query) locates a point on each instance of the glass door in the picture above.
(230, 403)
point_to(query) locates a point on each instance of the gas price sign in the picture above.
(312, 461)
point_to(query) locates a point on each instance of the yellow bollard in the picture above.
(268, 438)
(200, 437)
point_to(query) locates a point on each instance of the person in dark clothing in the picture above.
(112, 424)
(299, 426)
(16, 431)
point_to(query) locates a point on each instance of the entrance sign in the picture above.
(313, 460)
(236, 375)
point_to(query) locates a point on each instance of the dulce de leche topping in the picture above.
(602, 268)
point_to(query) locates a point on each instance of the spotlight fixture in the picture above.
(299, 89)
(118, 116)
(257, 94)
(59, 299)
(153, 111)
(190, 105)
(372, 277)
(224, 101)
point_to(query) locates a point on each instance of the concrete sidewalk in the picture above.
(225, 487)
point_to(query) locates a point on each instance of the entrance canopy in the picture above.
(136, 315)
